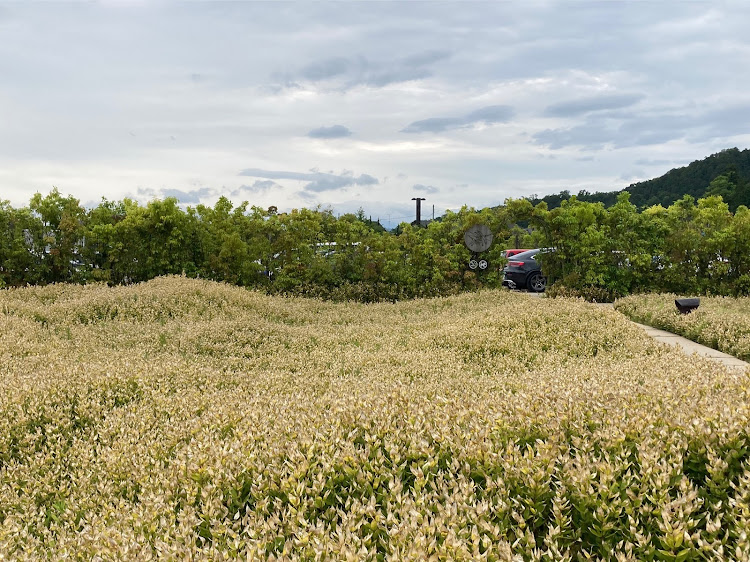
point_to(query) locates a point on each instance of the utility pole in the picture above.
(419, 209)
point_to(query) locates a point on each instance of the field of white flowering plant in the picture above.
(722, 323)
(190, 420)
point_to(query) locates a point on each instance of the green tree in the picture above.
(723, 186)
(739, 252)
(101, 238)
(653, 234)
(628, 255)
(222, 251)
(575, 232)
(713, 221)
(129, 245)
(684, 238)
(170, 239)
(63, 220)
(21, 247)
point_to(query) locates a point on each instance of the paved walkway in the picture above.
(688, 346)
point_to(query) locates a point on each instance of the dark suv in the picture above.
(523, 271)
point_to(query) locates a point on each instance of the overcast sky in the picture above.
(364, 104)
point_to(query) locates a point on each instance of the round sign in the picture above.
(478, 238)
(482, 264)
(473, 264)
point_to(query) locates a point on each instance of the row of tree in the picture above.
(55, 240)
(687, 247)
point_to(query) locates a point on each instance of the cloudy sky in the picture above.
(364, 104)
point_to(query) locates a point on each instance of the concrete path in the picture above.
(690, 347)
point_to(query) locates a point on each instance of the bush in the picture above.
(590, 293)
(366, 292)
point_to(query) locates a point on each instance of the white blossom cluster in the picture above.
(190, 420)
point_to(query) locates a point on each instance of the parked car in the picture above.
(524, 272)
(512, 252)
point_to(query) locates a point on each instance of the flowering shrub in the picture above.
(722, 323)
(185, 419)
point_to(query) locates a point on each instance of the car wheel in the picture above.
(537, 282)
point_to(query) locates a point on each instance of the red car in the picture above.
(508, 253)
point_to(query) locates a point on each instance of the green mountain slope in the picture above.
(695, 179)
(726, 173)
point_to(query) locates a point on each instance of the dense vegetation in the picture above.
(686, 248)
(307, 251)
(722, 323)
(184, 419)
(600, 253)
(726, 173)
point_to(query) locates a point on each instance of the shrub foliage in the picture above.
(599, 252)
(187, 419)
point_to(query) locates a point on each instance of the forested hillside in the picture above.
(726, 173)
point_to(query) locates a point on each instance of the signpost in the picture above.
(478, 239)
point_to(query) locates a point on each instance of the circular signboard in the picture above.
(478, 238)
(473, 264)
(482, 264)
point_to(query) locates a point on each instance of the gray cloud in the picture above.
(260, 186)
(188, 196)
(317, 181)
(434, 125)
(647, 162)
(425, 58)
(382, 78)
(656, 126)
(591, 136)
(587, 105)
(728, 121)
(326, 69)
(146, 192)
(596, 132)
(489, 115)
(350, 72)
(334, 132)
(634, 175)
(366, 179)
(425, 188)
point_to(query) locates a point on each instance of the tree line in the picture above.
(689, 247)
